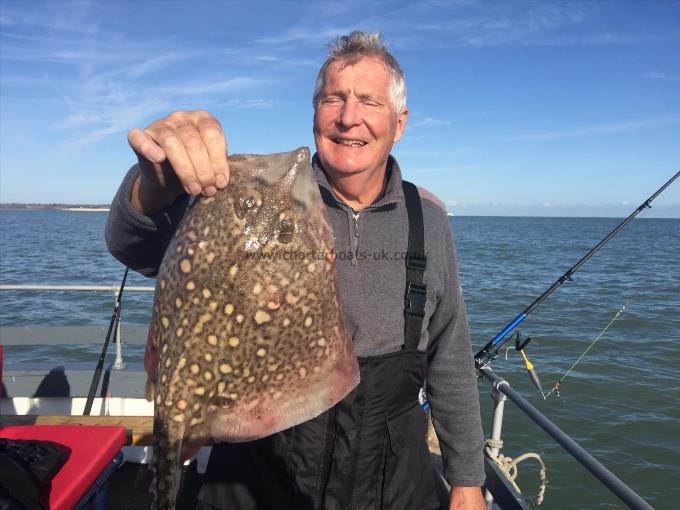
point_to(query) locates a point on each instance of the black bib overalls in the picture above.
(367, 452)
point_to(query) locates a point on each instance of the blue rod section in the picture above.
(507, 329)
(485, 355)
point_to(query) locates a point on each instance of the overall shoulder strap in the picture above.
(416, 262)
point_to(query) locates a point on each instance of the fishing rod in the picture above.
(115, 317)
(489, 352)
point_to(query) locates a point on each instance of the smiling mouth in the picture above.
(348, 142)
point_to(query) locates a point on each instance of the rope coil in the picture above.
(509, 466)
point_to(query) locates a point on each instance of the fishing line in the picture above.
(556, 387)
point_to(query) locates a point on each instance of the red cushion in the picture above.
(92, 449)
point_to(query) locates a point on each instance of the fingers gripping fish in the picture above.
(247, 335)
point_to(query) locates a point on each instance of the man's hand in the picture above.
(186, 152)
(466, 498)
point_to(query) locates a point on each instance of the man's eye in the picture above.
(330, 100)
(370, 102)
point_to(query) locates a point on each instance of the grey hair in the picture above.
(357, 45)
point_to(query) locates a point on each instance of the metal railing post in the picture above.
(499, 399)
(119, 364)
(606, 477)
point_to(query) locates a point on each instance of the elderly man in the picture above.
(369, 451)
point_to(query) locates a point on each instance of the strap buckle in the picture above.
(416, 262)
(415, 299)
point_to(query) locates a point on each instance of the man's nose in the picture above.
(349, 115)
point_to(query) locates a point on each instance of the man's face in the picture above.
(355, 124)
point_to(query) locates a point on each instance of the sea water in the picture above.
(620, 402)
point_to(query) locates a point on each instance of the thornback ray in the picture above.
(247, 335)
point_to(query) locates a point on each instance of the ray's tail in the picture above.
(165, 464)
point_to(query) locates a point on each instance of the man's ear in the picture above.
(401, 124)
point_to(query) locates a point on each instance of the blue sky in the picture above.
(516, 107)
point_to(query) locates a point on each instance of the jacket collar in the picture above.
(391, 192)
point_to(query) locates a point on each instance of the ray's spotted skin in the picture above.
(247, 336)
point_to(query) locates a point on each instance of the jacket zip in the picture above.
(354, 233)
(354, 237)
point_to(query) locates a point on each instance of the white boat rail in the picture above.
(118, 364)
(111, 288)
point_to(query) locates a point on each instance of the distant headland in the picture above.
(57, 207)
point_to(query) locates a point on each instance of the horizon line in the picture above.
(75, 207)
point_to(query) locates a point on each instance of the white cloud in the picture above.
(288, 62)
(431, 121)
(599, 129)
(426, 153)
(155, 63)
(483, 25)
(659, 75)
(247, 104)
(207, 85)
(103, 82)
(446, 169)
(113, 121)
(516, 23)
(74, 17)
(306, 36)
(103, 110)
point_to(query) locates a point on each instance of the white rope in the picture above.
(508, 466)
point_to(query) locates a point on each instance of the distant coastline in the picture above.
(658, 212)
(57, 207)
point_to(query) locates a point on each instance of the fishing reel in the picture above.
(490, 353)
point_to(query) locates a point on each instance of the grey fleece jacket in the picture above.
(371, 275)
